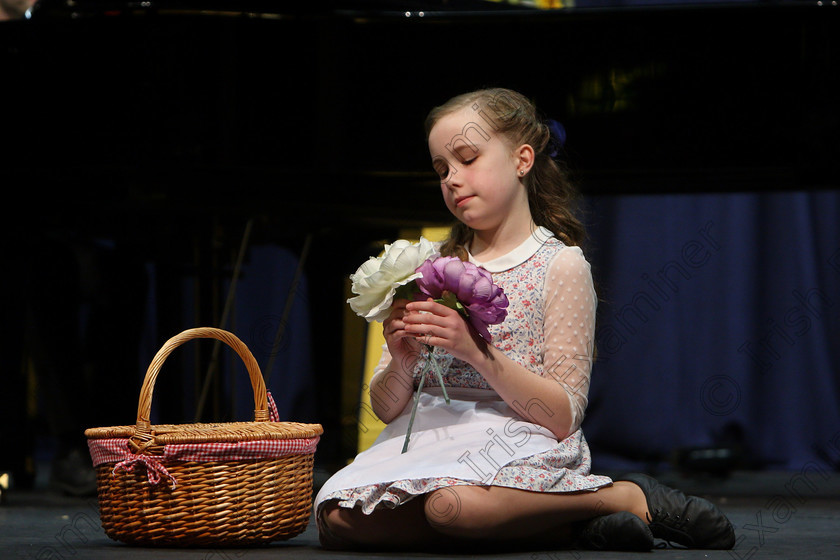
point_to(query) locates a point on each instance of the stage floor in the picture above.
(776, 516)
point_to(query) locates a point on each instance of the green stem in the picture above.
(414, 408)
(439, 374)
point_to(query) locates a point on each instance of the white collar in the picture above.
(517, 256)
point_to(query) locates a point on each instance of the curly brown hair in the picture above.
(551, 194)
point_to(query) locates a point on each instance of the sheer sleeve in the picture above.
(569, 327)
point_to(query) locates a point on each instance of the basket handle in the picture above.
(144, 407)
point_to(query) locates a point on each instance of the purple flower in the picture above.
(481, 301)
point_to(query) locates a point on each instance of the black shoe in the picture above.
(616, 531)
(686, 520)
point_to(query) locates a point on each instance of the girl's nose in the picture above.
(454, 178)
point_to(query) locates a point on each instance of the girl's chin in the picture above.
(470, 221)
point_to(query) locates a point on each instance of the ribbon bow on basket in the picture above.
(214, 465)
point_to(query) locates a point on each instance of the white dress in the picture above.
(478, 439)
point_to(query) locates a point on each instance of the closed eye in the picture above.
(442, 169)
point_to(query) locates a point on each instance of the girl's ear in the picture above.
(524, 157)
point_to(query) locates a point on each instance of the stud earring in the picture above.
(521, 172)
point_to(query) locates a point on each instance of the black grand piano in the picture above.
(252, 103)
(149, 121)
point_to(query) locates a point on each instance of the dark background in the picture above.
(144, 147)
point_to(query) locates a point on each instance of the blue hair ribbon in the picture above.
(558, 137)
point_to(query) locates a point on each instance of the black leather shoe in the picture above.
(687, 520)
(616, 531)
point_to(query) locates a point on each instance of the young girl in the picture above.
(505, 460)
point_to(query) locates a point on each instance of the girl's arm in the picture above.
(557, 398)
(535, 398)
(569, 328)
(392, 385)
(391, 389)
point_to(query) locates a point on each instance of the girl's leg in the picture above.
(498, 513)
(404, 527)
(458, 514)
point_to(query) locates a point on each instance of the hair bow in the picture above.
(557, 137)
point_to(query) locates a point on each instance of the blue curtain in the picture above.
(261, 298)
(718, 325)
(263, 288)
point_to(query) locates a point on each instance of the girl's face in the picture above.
(478, 169)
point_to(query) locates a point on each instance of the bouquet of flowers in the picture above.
(417, 271)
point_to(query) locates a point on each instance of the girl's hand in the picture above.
(403, 346)
(438, 325)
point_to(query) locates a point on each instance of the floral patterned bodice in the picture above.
(520, 336)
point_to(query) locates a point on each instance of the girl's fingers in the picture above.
(426, 325)
(437, 314)
(393, 326)
(429, 305)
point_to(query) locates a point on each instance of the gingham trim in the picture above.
(154, 470)
(241, 451)
(116, 450)
(273, 414)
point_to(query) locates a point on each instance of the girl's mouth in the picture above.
(461, 200)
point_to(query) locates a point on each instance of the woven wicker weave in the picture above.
(214, 503)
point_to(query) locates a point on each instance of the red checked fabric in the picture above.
(116, 450)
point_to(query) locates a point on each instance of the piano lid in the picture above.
(279, 8)
(364, 8)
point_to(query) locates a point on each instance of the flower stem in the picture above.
(414, 408)
(439, 373)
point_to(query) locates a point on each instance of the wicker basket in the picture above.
(226, 484)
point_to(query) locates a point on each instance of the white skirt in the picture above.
(471, 439)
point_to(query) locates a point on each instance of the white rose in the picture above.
(377, 280)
